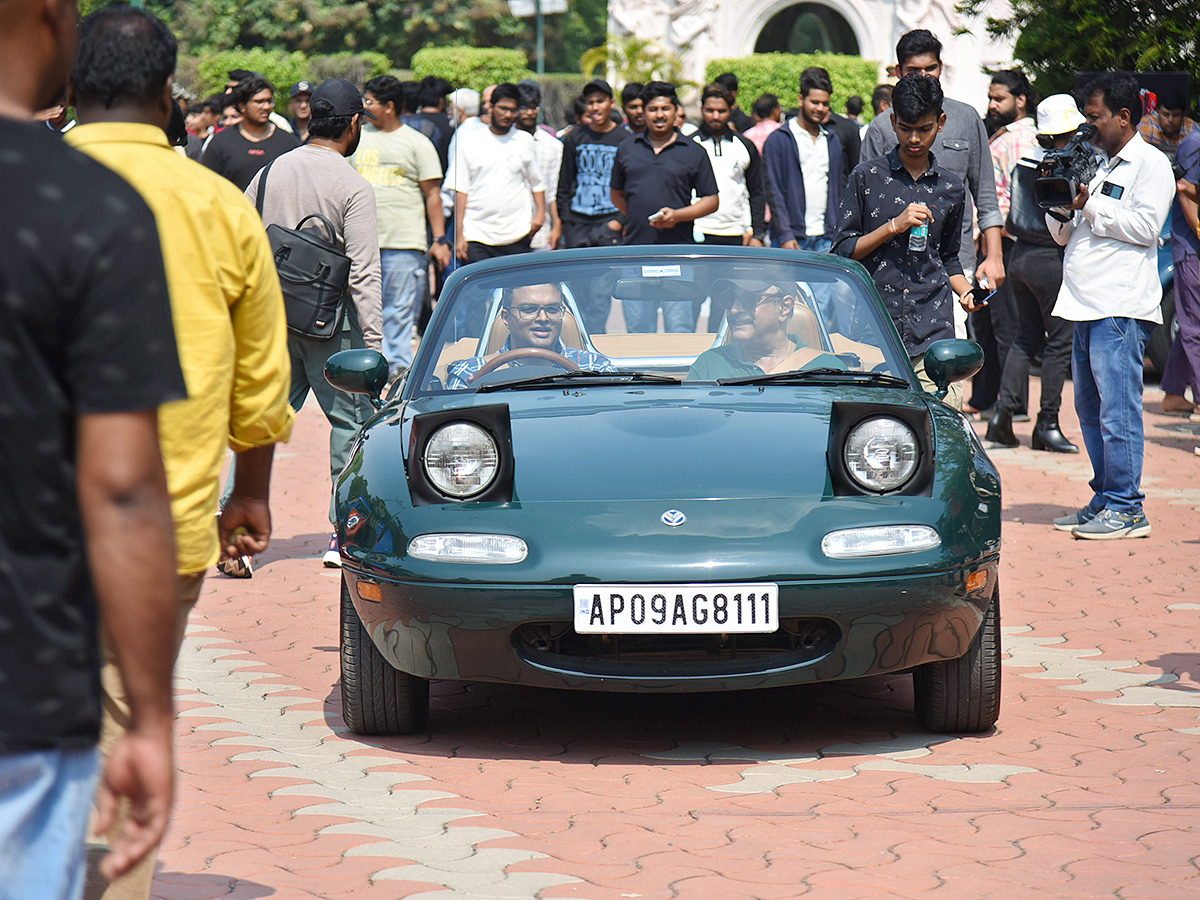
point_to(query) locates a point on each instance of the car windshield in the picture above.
(657, 319)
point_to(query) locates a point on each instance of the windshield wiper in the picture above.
(820, 376)
(582, 376)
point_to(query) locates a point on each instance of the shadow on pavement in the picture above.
(1033, 513)
(1184, 665)
(595, 728)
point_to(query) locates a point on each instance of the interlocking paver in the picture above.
(1088, 788)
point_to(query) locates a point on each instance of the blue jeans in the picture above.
(405, 273)
(1106, 366)
(816, 244)
(45, 797)
(641, 316)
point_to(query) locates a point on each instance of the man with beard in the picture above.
(316, 178)
(1011, 103)
(804, 171)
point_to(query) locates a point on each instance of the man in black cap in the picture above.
(299, 106)
(316, 178)
(589, 218)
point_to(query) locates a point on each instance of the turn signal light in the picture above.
(369, 590)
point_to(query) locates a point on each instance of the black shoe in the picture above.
(999, 430)
(1048, 436)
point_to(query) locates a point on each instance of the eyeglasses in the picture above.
(529, 311)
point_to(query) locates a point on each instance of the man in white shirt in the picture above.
(493, 171)
(805, 171)
(1111, 292)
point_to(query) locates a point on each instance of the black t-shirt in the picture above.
(653, 180)
(585, 176)
(239, 160)
(86, 329)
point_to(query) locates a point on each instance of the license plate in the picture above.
(676, 608)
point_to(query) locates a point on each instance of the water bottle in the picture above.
(918, 237)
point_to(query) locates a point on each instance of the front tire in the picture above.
(963, 695)
(376, 697)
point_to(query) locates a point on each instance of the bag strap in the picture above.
(262, 188)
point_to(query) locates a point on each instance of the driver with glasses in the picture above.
(533, 314)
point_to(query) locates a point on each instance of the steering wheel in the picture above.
(526, 353)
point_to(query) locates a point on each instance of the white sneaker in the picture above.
(332, 558)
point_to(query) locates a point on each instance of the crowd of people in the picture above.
(148, 330)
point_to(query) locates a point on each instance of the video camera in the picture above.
(1063, 169)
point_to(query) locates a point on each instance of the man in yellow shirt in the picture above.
(225, 303)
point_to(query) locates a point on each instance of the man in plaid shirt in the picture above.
(534, 316)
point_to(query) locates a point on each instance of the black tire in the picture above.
(376, 698)
(1158, 348)
(963, 695)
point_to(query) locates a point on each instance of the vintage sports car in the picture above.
(666, 469)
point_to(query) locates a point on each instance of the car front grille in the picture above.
(555, 645)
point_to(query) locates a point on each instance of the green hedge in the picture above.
(471, 67)
(207, 75)
(779, 73)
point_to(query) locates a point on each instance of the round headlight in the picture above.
(881, 454)
(461, 459)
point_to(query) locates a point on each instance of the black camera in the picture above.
(1063, 169)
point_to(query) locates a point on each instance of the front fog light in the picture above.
(469, 548)
(881, 454)
(461, 460)
(879, 540)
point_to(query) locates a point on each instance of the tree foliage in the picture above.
(396, 28)
(1057, 38)
(779, 74)
(473, 67)
(633, 58)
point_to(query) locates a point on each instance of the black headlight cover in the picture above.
(492, 419)
(845, 415)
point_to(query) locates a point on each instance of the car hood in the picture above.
(675, 443)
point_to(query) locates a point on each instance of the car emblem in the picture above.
(674, 518)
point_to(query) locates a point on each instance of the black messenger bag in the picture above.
(313, 273)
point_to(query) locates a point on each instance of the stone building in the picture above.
(700, 30)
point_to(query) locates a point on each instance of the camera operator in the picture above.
(1111, 292)
(1035, 276)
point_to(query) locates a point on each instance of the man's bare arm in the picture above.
(130, 539)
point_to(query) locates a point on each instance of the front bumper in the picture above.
(522, 634)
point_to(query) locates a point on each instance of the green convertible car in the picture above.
(666, 469)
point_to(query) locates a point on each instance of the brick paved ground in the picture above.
(1089, 787)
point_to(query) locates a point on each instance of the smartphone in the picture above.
(658, 215)
(981, 295)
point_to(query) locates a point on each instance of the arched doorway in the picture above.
(807, 28)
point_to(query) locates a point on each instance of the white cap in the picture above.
(1058, 114)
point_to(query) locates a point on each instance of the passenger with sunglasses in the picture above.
(759, 341)
(534, 316)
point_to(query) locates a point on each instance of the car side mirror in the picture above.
(951, 360)
(358, 372)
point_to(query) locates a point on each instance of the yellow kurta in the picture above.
(229, 322)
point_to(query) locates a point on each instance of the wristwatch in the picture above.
(441, 240)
